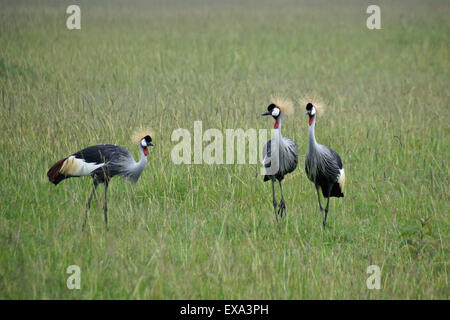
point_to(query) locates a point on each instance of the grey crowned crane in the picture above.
(102, 162)
(280, 154)
(323, 165)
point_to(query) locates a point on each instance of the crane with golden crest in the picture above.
(323, 165)
(280, 154)
(102, 162)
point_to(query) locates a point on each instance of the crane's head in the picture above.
(312, 111)
(315, 107)
(146, 142)
(142, 136)
(278, 108)
(272, 110)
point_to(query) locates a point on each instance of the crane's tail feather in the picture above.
(337, 191)
(54, 173)
(342, 179)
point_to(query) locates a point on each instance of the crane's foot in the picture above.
(282, 209)
(275, 210)
(325, 219)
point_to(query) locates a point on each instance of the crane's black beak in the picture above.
(151, 144)
(267, 113)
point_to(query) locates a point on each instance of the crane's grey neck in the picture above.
(142, 158)
(138, 167)
(312, 143)
(278, 125)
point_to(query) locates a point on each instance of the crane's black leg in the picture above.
(88, 205)
(282, 209)
(326, 208)
(320, 204)
(274, 201)
(105, 207)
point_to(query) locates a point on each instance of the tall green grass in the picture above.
(200, 231)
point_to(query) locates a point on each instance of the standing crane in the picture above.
(102, 162)
(280, 154)
(323, 165)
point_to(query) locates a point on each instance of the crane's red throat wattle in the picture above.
(146, 151)
(311, 119)
(276, 125)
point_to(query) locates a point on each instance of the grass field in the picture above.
(208, 231)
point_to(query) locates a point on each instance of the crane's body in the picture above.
(101, 162)
(288, 156)
(280, 154)
(323, 166)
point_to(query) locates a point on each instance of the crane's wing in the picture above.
(307, 167)
(289, 156)
(329, 164)
(331, 171)
(107, 157)
(101, 153)
(267, 153)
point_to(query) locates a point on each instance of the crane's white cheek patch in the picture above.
(78, 167)
(276, 112)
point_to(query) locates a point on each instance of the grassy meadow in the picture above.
(208, 231)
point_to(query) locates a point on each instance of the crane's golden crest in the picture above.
(286, 106)
(140, 133)
(315, 100)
